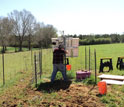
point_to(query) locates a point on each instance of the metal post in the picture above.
(31, 58)
(64, 38)
(85, 58)
(3, 69)
(35, 69)
(95, 66)
(40, 62)
(89, 58)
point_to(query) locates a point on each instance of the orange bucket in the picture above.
(102, 87)
(68, 67)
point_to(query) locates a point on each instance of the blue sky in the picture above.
(73, 16)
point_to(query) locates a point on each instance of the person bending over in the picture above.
(58, 63)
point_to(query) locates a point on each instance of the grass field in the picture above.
(114, 97)
(102, 51)
(21, 61)
(18, 65)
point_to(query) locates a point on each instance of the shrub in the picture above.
(94, 41)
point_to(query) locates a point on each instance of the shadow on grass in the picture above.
(100, 95)
(52, 87)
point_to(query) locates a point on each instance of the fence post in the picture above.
(35, 69)
(3, 69)
(85, 58)
(31, 58)
(40, 62)
(95, 66)
(89, 58)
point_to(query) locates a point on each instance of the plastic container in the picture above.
(81, 75)
(88, 73)
(68, 67)
(102, 87)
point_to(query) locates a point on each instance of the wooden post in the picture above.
(95, 66)
(89, 58)
(35, 69)
(3, 69)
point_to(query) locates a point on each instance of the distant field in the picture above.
(102, 51)
(110, 50)
(12, 49)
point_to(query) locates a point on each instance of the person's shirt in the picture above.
(58, 56)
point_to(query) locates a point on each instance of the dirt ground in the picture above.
(58, 94)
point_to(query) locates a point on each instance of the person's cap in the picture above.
(61, 46)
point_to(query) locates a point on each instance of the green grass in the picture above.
(21, 61)
(12, 49)
(16, 66)
(109, 50)
(112, 99)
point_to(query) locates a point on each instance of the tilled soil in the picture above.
(59, 94)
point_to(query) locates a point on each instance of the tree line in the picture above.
(99, 38)
(20, 29)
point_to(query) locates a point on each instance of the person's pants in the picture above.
(56, 68)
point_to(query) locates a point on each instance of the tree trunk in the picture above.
(3, 50)
(20, 42)
(29, 42)
(29, 45)
(20, 46)
(39, 44)
(15, 44)
(46, 43)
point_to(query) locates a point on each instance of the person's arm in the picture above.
(66, 51)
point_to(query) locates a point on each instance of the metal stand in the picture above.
(120, 63)
(108, 63)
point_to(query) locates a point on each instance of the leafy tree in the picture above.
(122, 38)
(80, 36)
(115, 38)
(44, 33)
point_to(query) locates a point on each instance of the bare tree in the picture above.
(31, 29)
(39, 34)
(5, 32)
(22, 22)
